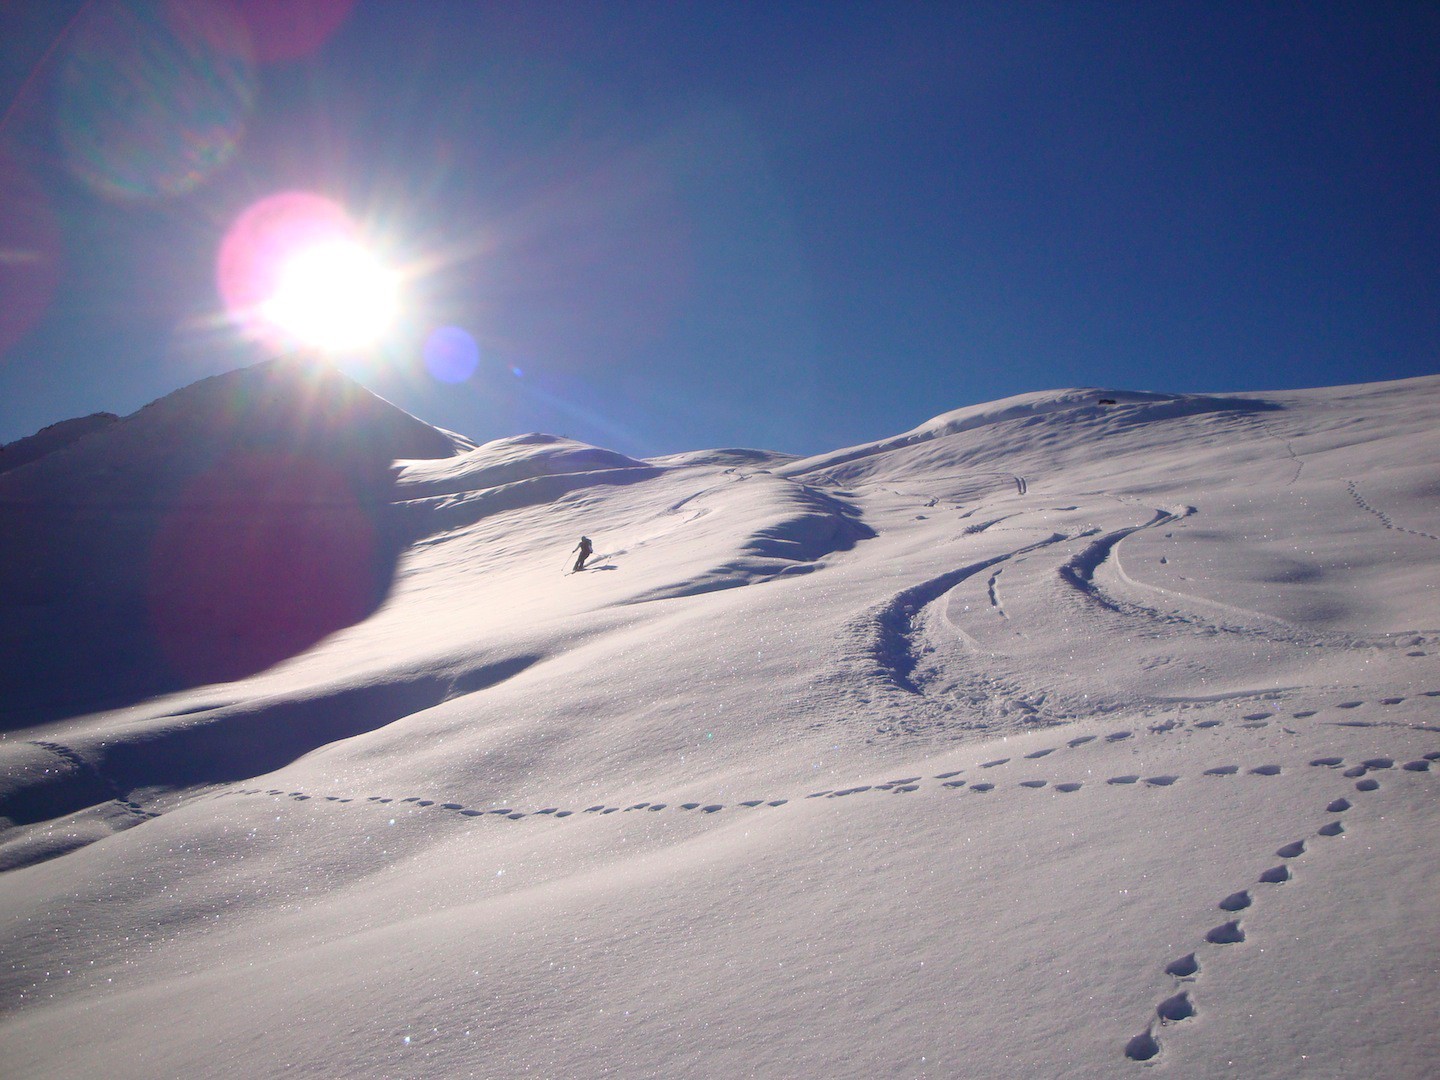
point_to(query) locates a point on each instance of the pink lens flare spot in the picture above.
(263, 555)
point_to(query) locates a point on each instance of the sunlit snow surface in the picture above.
(1050, 738)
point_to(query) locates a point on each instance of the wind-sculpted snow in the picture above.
(507, 461)
(219, 744)
(790, 529)
(1069, 737)
(1066, 417)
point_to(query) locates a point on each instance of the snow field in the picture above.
(1046, 738)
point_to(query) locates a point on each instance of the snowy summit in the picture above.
(1084, 733)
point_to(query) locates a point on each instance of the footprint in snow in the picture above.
(1338, 806)
(1266, 770)
(1290, 851)
(1069, 787)
(1236, 901)
(1332, 762)
(1187, 967)
(992, 764)
(1368, 784)
(1142, 1047)
(1223, 770)
(1174, 1009)
(1229, 933)
(1161, 781)
(1081, 741)
(1032, 783)
(1128, 779)
(1040, 753)
(1334, 828)
(1420, 765)
(1276, 875)
(982, 787)
(1208, 723)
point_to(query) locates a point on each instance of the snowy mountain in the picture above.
(1081, 733)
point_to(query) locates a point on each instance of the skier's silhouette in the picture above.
(585, 548)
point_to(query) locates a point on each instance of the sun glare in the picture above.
(332, 295)
(295, 269)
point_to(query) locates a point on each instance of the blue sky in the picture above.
(672, 226)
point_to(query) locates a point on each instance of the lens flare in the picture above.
(291, 29)
(232, 593)
(153, 96)
(293, 270)
(451, 354)
(29, 253)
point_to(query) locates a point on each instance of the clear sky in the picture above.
(671, 225)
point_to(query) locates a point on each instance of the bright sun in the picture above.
(332, 294)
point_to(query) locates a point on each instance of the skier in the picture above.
(585, 548)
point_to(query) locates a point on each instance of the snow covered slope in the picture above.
(1053, 737)
(216, 531)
